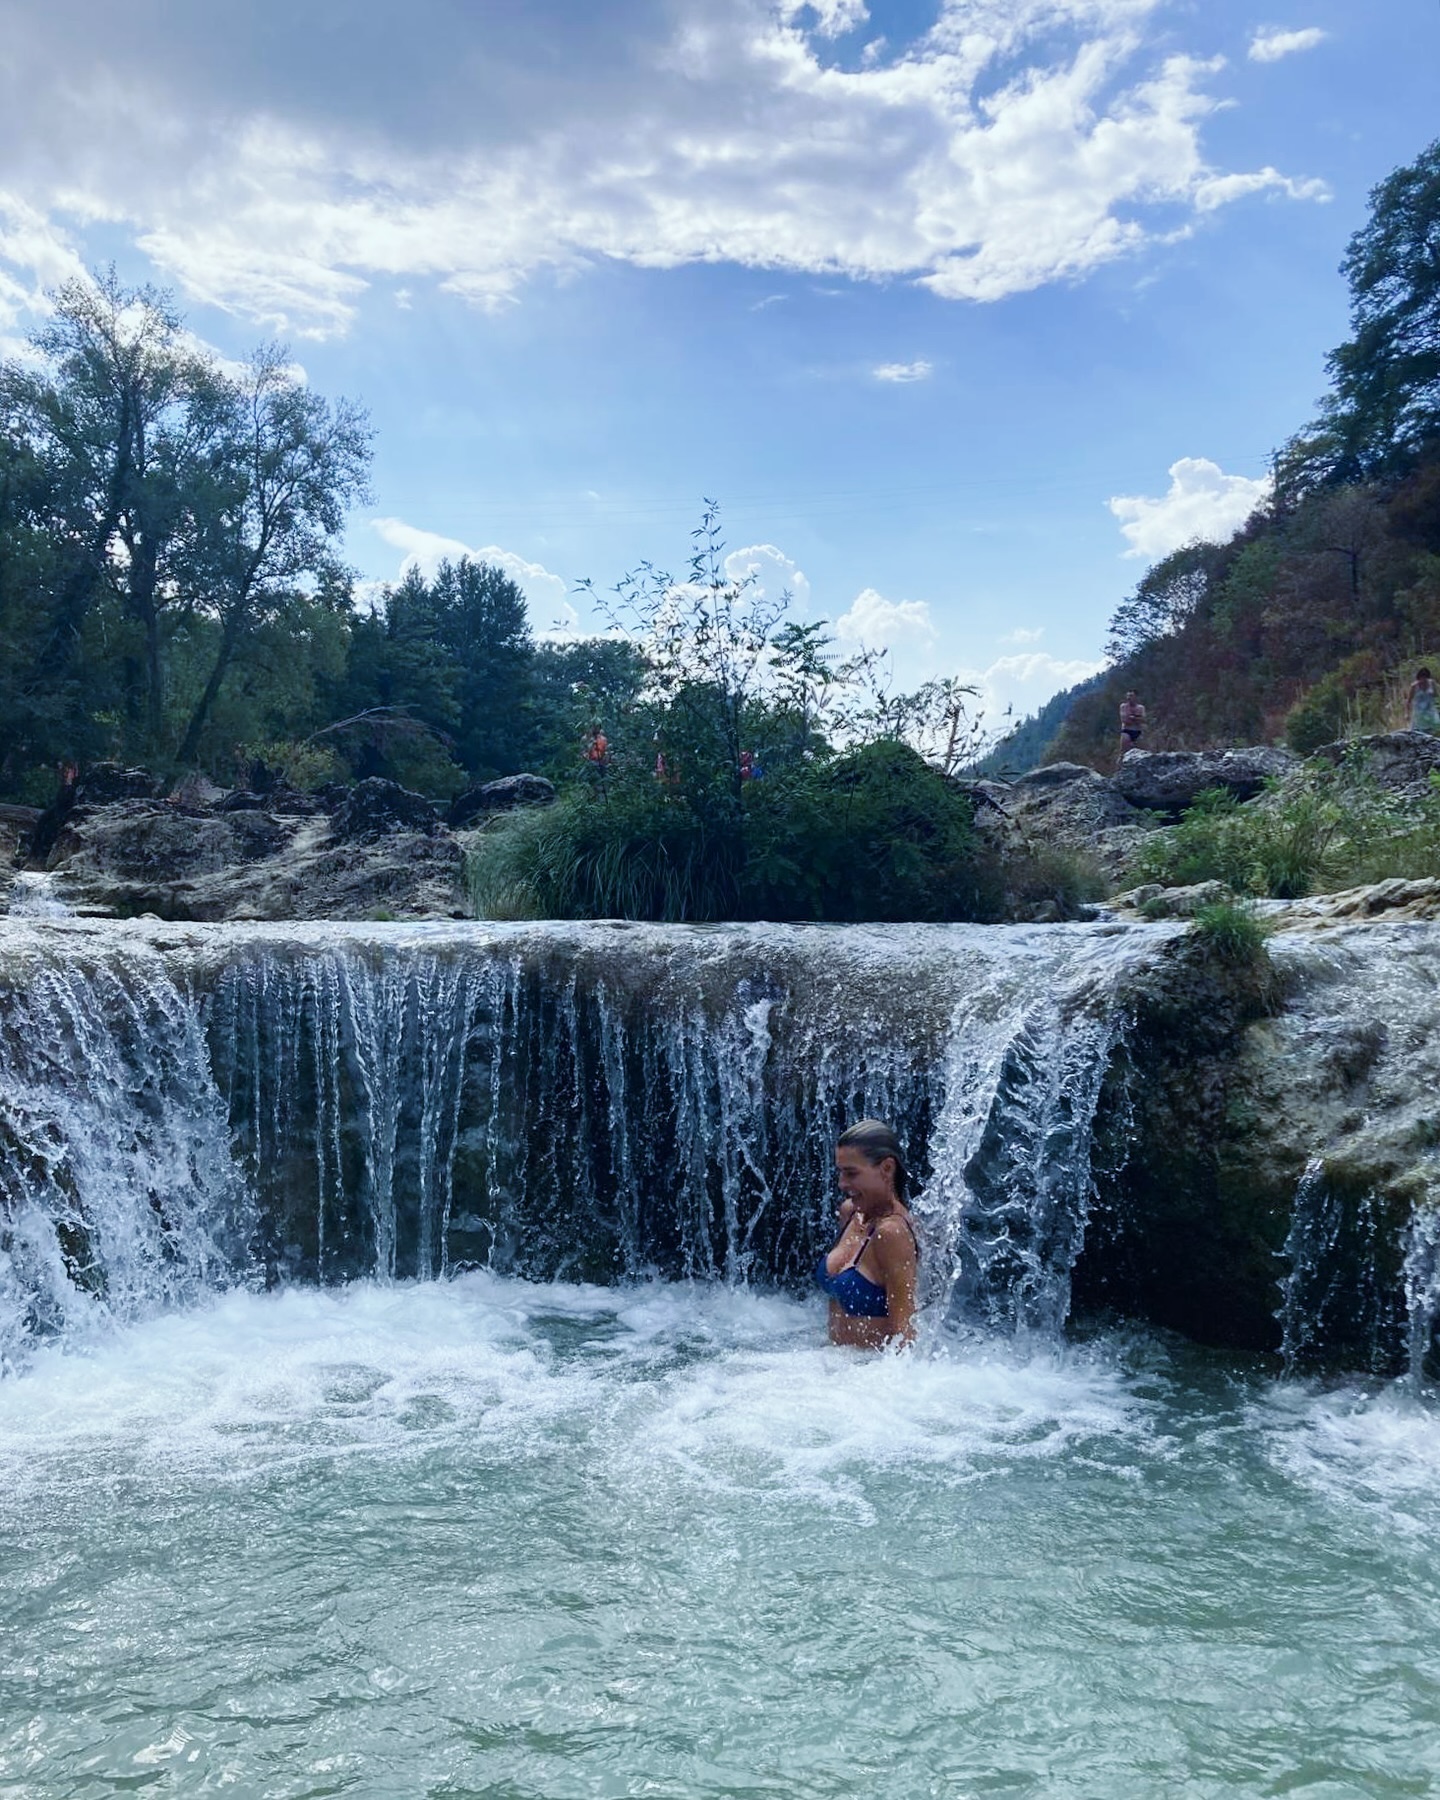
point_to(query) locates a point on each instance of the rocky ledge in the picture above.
(204, 854)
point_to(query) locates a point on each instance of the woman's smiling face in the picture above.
(861, 1180)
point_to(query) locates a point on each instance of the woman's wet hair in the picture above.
(1422, 674)
(874, 1139)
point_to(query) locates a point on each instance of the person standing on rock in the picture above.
(1424, 703)
(1132, 722)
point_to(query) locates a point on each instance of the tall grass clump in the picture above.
(1233, 932)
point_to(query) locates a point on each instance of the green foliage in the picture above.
(1232, 933)
(1328, 829)
(164, 521)
(1169, 594)
(1283, 849)
(1051, 881)
(629, 851)
(1385, 406)
(874, 834)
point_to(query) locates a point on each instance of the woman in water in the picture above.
(870, 1274)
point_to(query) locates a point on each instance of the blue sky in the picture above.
(963, 309)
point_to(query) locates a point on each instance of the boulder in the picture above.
(1056, 774)
(1399, 760)
(104, 782)
(374, 808)
(1167, 781)
(504, 795)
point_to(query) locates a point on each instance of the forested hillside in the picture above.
(1312, 619)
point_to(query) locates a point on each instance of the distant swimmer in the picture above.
(1132, 721)
(870, 1274)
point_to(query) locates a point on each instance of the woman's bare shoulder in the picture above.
(895, 1235)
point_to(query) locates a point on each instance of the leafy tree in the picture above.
(482, 622)
(287, 468)
(1170, 593)
(584, 685)
(125, 415)
(1383, 408)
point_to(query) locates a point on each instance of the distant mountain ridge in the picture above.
(1025, 745)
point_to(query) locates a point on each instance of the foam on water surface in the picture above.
(734, 1387)
(492, 1536)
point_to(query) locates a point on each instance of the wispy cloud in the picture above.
(911, 371)
(1270, 46)
(1009, 145)
(1201, 502)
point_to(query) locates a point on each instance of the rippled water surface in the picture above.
(489, 1538)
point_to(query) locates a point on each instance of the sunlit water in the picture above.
(480, 1537)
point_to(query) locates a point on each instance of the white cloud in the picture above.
(877, 623)
(40, 255)
(545, 592)
(1201, 502)
(1024, 634)
(773, 573)
(1270, 46)
(1014, 143)
(913, 371)
(1221, 190)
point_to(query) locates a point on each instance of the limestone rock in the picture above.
(141, 857)
(104, 782)
(504, 795)
(375, 808)
(1400, 760)
(1167, 781)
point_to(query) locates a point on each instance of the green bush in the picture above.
(1330, 828)
(875, 834)
(627, 850)
(1283, 847)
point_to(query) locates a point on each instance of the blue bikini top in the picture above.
(856, 1294)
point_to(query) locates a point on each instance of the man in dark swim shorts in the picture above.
(1132, 721)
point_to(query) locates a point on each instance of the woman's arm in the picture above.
(894, 1251)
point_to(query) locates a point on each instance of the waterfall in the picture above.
(33, 895)
(1339, 1297)
(182, 1107)
(118, 1194)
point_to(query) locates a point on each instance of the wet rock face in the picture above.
(504, 795)
(1167, 781)
(375, 808)
(105, 782)
(138, 857)
(1268, 1170)
(1399, 760)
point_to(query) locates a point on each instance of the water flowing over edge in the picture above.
(188, 1108)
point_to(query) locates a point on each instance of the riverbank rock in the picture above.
(1267, 1168)
(137, 857)
(1398, 760)
(1065, 807)
(375, 808)
(1168, 781)
(504, 795)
